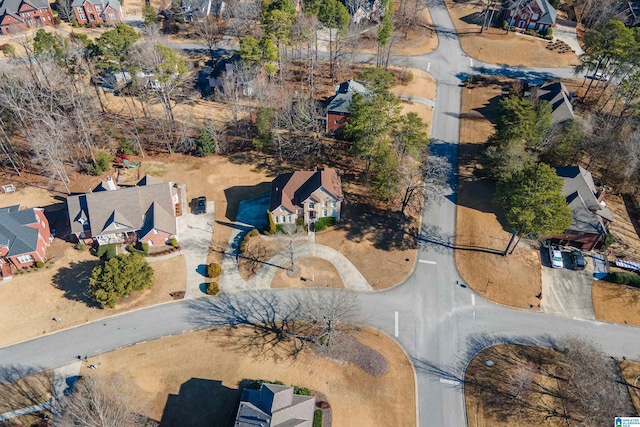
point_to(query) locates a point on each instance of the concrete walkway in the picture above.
(417, 100)
(194, 237)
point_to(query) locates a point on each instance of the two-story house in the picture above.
(20, 15)
(339, 105)
(530, 14)
(94, 12)
(24, 237)
(306, 194)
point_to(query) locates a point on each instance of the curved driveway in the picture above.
(439, 321)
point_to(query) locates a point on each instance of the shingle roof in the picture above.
(558, 96)
(105, 3)
(548, 15)
(15, 232)
(11, 7)
(292, 189)
(274, 406)
(124, 210)
(579, 190)
(341, 101)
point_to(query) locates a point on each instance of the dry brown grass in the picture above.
(514, 280)
(631, 373)
(30, 301)
(323, 273)
(493, 46)
(193, 379)
(616, 303)
(627, 241)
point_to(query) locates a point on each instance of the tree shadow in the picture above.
(490, 110)
(473, 18)
(432, 237)
(201, 402)
(238, 193)
(22, 387)
(74, 281)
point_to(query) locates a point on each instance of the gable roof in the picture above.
(274, 406)
(548, 15)
(15, 232)
(290, 190)
(556, 93)
(145, 206)
(341, 101)
(580, 192)
(105, 3)
(11, 7)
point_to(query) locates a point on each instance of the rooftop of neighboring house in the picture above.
(15, 232)
(111, 209)
(556, 93)
(292, 189)
(548, 15)
(115, 4)
(10, 7)
(341, 101)
(580, 192)
(274, 406)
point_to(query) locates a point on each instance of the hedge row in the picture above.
(322, 223)
(624, 278)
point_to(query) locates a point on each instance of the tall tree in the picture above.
(533, 201)
(119, 277)
(334, 16)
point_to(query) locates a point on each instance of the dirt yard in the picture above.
(192, 380)
(494, 46)
(35, 297)
(514, 280)
(616, 303)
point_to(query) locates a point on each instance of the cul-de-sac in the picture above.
(319, 213)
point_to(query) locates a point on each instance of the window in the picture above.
(312, 205)
(275, 218)
(299, 211)
(324, 212)
(333, 203)
(534, 16)
(112, 16)
(283, 219)
(289, 218)
(98, 8)
(333, 212)
(79, 9)
(25, 258)
(150, 242)
(83, 17)
(324, 204)
(335, 122)
(88, 8)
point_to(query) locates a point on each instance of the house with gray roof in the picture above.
(306, 194)
(274, 406)
(556, 94)
(94, 12)
(590, 214)
(20, 15)
(339, 105)
(530, 14)
(109, 214)
(24, 237)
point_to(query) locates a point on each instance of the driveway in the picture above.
(566, 292)
(194, 236)
(569, 36)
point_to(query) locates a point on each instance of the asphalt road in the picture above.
(439, 321)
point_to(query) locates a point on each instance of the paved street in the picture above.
(439, 321)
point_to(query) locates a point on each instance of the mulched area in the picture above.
(346, 348)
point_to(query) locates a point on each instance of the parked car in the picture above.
(556, 258)
(601, 76)
(577, 260)
(201, 205)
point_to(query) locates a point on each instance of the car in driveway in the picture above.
(201, 206)
(555, 256)
(601, 77)
(577, 260)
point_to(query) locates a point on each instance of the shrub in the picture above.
(106, 252)
(317, 418)
(213, 288)
(608, 240)
(505, 25)
(39, 264)
(322, 223)
(8, 50)
(271, 225)
(125, 147)
(254, 232)
(549, 32)
(133, 250)
(118, 277)
(57, 20)
(530, 32)
(279, 228)
(213, 270)
(145, 248)
(81, 246)
(173, 242)
(624, 278)
(302, 391)
(547, 37)
(300, 221)
(246, 239)
(405, 76)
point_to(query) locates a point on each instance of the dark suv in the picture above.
(201, 205)
(578, 260)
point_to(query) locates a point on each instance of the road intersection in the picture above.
(438, 321)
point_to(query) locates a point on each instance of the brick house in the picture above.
(338, 106)
(24, 237)
(530, 14)
(20, 15)
(274, 406)
(306, 194)
(590, 214)
(110, 214)
(94, 12)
